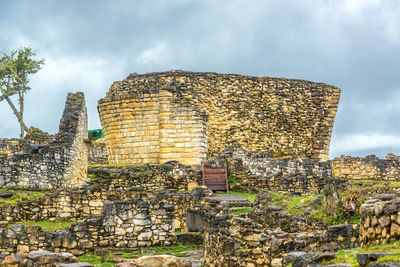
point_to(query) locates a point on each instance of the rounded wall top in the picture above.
(138, 84)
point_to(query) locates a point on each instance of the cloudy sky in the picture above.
(88, 44)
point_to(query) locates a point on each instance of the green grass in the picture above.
(129, 255)
(97, 260)
(46, 225)
(181, 255)
(350, 255)
(179, 248)
(22, 195)
(233, 179)
(240, 210)
(389, 258)
(294, 204)
(90, 259)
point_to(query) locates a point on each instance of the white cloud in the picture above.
(45, 102)
(358, 8)
(373, 14)
(159, 55)
(346, 144)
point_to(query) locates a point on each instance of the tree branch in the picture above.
(16, 113)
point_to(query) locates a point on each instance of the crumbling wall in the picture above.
(59, 164)
(380, 220)
(170, 175)
(241, 241)
(368, 168)
(254, 171)
(11, 146)
(124, 223)
(97, 152)
(183, 116)
(77, 205)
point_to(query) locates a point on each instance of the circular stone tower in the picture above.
(185, 116)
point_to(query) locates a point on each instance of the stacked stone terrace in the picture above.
(185, 116)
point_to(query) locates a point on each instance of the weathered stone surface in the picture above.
(251, 240)
(109, 229)
(41, 258)
(384, 264)
(79, 264)
(303, 259)
(185, 115)
(365, 259)
(368, 168)
(159, 261)
(190, 238)
(379, 220)
(255, 171)
(61, 163)
(170, 175)
(6, 194)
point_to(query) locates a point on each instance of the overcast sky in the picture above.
(87, 45)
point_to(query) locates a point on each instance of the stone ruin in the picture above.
(60, 163)
(187, 116)
(272, 134)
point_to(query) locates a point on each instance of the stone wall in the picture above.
(239, 241)
(71, 205)
(42, 170)
(124, 223)
(380, 220)
(62, 163)
(368, 168)
(250, 240)
(170, 175)
(10, 146)
(97, 152)
(255, 171)
(178, 115)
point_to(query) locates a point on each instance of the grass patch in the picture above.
(90, 259)
(233, 179)
(183, 191)
(293, 204)
(22, 195)
(350, 255)
(129, 255)
(240, 210)
(389, 258)
(97, 260)
(46, 225)
(177, 249)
